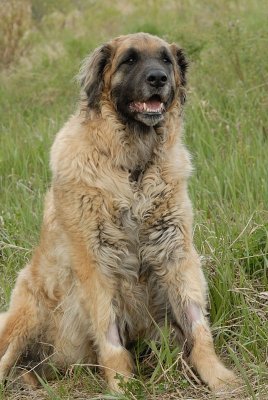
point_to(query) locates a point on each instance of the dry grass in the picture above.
(15, 23)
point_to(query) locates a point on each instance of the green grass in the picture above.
(226, 132)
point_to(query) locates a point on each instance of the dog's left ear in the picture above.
(91, 75)
(182, 64)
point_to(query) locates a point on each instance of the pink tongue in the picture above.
(153, 104)
(148, 106)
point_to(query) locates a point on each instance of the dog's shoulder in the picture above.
(73, 151)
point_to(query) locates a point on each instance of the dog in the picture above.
(116, 255)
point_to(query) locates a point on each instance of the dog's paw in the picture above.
(223, 381)
(115, 386)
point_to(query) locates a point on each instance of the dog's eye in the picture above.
(130, 60)
(166, 60)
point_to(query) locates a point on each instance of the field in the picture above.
(226, 130)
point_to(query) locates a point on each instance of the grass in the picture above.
(225, 130)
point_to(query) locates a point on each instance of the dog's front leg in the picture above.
(186, 291)
(166, 247)
(86, 217)
(96, 296)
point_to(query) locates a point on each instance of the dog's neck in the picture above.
(131, 146)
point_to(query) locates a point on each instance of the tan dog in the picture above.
(116, 247)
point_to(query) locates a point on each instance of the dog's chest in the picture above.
(140, 225)
(146, 215)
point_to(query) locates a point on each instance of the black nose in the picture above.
(156, 78)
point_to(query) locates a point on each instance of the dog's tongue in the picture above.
(151, 105)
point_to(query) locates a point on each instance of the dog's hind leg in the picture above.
(19, 325)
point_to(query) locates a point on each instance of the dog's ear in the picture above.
(91, 75)
(182, 65)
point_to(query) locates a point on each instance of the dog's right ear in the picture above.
(91, 75)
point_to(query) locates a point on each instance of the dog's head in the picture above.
(142, 75)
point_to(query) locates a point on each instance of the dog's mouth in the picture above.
(152, 106)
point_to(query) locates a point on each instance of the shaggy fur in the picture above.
(116, 251)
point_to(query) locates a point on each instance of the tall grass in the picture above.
(225, 130)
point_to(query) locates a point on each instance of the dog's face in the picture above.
(142, 75)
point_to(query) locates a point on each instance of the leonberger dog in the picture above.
(116, 257)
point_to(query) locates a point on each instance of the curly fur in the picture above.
(116, 249)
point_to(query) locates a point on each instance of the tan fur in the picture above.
(114, 253)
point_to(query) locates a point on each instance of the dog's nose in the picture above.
(156, 78)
